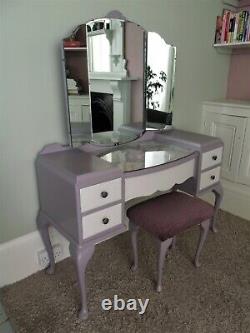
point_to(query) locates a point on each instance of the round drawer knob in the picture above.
(215, 157)
(104, 194)
(105, 220)
(213, 177)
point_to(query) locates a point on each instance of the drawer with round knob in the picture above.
(209, 177)
(98, 195)
(101, 220)
(211, 158)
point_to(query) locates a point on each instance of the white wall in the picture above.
(32, 111)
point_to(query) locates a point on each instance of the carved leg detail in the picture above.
(134, 232)
(204, 228)
(163, 249)
(81, 256)
(173, 245)
(43, 227)
(218, 192)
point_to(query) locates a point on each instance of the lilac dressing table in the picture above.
(84, 188)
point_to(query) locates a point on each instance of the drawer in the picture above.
(209, 177)
(211, 158)
(100, 194)
(147, 184)
(102, 220)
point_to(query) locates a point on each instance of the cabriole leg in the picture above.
(163, 249)
(43, 227)
(134, 232)
(81, 256)
(218, 192)
(204, 228)
(173, 245)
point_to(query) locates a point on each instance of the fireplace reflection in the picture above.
(102, 112)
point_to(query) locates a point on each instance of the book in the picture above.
(226, 19)
(218, 31)
(241, 26)
(231, 28)
(237, 15)
(224, 24)
(245, 26)
(248, 30)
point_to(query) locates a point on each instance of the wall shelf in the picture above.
(233, 45)
(75, 48)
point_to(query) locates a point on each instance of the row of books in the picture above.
(233, 27)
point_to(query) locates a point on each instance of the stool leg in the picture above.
(134, 231)
(173, 245)
(203, 235)
(163, 249)
(218, 192)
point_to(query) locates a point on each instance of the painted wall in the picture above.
(239, 72)
(244, 3)
(239, 75)
(32, 107)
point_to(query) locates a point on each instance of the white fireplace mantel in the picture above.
(120, 87)
(119, 76)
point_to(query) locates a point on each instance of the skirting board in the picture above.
(19, 257)
(236, 199)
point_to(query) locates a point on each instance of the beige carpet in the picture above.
(213, 298)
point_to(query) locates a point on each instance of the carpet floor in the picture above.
(213, 298)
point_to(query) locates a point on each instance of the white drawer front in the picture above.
(79, 100)
(211, 158)
(102, 220)
(209, 177)
(163, 180)
(100, 194)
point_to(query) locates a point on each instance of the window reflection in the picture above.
(160, 72)
(100, 49)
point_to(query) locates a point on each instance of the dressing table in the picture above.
(85, 187)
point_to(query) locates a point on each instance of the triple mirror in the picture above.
(119, 80)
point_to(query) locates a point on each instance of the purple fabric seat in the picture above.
(169, 214)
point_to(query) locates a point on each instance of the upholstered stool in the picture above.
(165, 217)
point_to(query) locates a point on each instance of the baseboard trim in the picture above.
(18, 257)
(236, 199)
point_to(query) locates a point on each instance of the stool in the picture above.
(165, 217)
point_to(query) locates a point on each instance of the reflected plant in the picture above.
(154, 84)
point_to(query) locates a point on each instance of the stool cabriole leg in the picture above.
(173, 245)
(134, 232)
(204, 228)
(163, 249)
(218, 192)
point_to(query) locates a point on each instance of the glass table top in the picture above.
(145, 154)
(111, 138)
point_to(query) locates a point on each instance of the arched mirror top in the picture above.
(119, 81)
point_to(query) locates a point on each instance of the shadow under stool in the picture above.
(165, 217)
